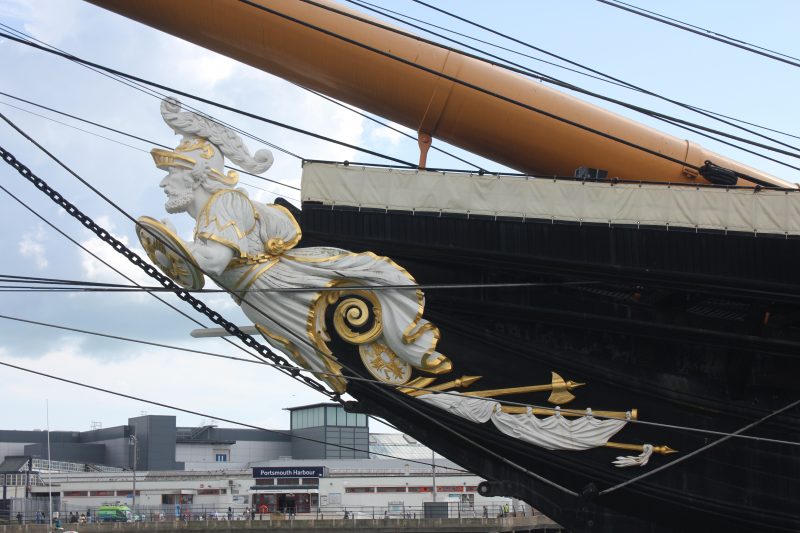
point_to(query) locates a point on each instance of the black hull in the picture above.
(696, 329)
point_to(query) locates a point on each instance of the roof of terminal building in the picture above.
(398, 445)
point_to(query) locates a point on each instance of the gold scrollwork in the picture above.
(355, 311)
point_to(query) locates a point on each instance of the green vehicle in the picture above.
(114, 513)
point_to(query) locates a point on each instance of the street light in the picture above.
(134, 440)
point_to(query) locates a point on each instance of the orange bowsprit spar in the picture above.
(482, 108)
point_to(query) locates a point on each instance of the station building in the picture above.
(327, 463)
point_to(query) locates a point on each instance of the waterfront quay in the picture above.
(539, 524)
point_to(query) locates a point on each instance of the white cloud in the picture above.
(380, 133)
(196, 66)
(215, 387)
(32, 246)
(96, 271)
(44, 19)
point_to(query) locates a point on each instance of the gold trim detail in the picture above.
(353, 312)
(560, 390)
(383, 364)
(165, 159)
(160, 244)
(196, 143)
(663, 450)
(463, 382)
(416, 384)
(539, 411)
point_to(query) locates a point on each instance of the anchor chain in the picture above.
(165, 282)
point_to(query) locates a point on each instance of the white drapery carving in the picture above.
(552, 433)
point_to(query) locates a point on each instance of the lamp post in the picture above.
(134, 442)
(433, 470)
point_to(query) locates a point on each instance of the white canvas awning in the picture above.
(713, 208)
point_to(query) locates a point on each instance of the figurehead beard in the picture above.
(179, 204)
(197, 178)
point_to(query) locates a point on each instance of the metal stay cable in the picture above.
(704, 33)
(120, 132)
(206, 415)
(472, 86)
(150, 270)
(519, 69)
(185, 295)
(215, 317)
(563, 411)
(611, 79)
(137, 86)
(601, 76)
(109, 265)
(697, 451)
(209, 102)
(77, 285)
(675, 121)
(376, 121)
(95, 134)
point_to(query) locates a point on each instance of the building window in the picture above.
(221, 457)
(391, 489)
(351, 490)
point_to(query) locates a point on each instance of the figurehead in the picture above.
(206, 144)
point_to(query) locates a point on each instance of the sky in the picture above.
(676, 64)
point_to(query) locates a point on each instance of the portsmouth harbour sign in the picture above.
(288, 471)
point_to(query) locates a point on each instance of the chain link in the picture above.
(166, 282)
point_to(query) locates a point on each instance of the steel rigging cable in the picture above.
(207, 101)
(708, 34)
(564, 411)
(120, 132)
(488, 92)
(206, 415)
(521, 69)
(606, 78)
(541, 77)
(249, 340)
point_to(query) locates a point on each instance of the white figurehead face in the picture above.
(179, 187)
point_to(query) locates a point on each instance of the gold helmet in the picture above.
(191, 150)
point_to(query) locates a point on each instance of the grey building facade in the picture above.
(318, 431)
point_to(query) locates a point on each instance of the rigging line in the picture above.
(141, 88)
(128, 135)
(205, 415)
(562, 410)
(709, 31)
(698, 451)
(165, 281)
(431, 286)
(630, 85)
(73, 127)
(211, 102)
(521, 69)
(604, 77)
(471, 85)
(379, 390)
(373, 119)
(742, 148)
(263, 350)
(157, 297)
(25, 172)
(705, 33)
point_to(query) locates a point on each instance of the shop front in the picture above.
(287, 490)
